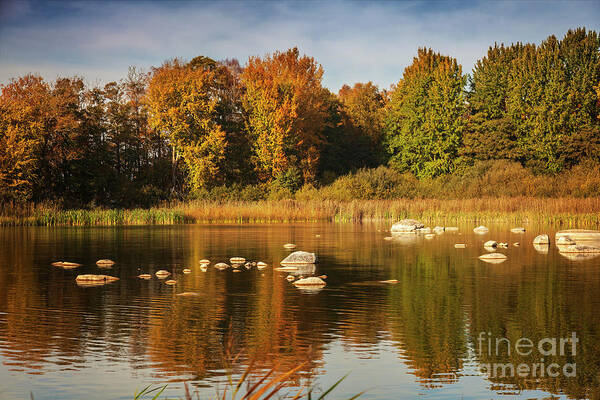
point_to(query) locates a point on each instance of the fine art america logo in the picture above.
(539, 352)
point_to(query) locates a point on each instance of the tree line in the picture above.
(189, 126)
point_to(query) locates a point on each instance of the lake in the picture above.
(430, 335)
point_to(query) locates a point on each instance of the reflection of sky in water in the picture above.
(400, 340)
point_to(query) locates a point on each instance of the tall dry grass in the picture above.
(555, 211)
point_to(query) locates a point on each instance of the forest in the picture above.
(524, 122)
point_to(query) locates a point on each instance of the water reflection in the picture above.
(444, 298)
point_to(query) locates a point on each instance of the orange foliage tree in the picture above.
(286, 110)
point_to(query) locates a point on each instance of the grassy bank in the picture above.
(565, 212)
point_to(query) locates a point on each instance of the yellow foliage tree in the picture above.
(286, 108)
(183, 105)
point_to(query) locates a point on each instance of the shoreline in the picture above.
(563, 212)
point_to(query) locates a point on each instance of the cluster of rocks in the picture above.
(576, 244)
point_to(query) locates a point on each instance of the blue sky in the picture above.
(354, 41)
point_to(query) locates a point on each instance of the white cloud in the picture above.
(353, 41)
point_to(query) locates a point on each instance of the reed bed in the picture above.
(566, 212)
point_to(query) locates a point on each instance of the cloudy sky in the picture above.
(354, 41)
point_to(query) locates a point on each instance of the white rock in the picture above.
(580, 235)
(310, 281)
(407, 225)
(221, 266)
(300, 257)
(541, 239)
(237, 260)
(580, 248)
(261, 265)
(518, 230)
(438, 229)
(481, 229)
(491, 244)
(105, 263)
(451, 228)
(424, 230)
(565, 240)
(460, 246)
(429, 236)
(162, 273)
(493, 258)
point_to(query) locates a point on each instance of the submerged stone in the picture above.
(145, 276)
(460, 246)
(289, 246)
(221, 266)
(188, 294)
(518, 230)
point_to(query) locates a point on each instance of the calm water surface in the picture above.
(418, 337)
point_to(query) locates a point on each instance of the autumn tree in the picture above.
(363, 112)
(286, 109)
(183, 102)
(22, 123)
(425, 115)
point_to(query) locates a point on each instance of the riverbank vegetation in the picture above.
(217, 141)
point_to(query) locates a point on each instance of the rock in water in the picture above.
(425, 230)
(145, 276)
(290, 278)
(94, 280)
(580, 235)
(541, 239)
(187, 271)
(565, 241)
(406, 225)
(541, 248)
(221, 266)
(439, 230)
(170, 282)
(105, 263)
(451, 228)
(429, 236)
(161, 274)
(261, 265)
(311, 281)
(518, 230)
(481, 229)
(580, 248)
(237, 260)
(204, 261)
(390, 281)
(299, 257)
(188, 294)
(460, 246)
(289, 246)
(66, 264)
(490, 244)
(493, 258)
